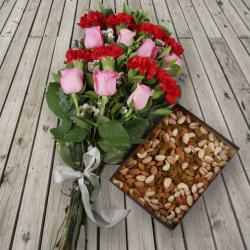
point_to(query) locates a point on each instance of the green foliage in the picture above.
(80, 122)
(162, 112)
(76, 135)
(114, 133)
(58, 102)
(136, 128)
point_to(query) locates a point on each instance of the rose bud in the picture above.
(93, 37)
(140, 96)
(105, 82)
(126, 36)
(148, 49)
(71, 80)
(173, 57)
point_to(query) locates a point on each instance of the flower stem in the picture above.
(74, 98)
(104, 102)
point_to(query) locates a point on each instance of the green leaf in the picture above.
(157, 94)
(108, 63)
(101, 120)
(114, 157)
(117, 107)
(163, 111)
(138, 141)
(90, 79)
(80, 122)
(56, 77)
(114, 133)
(163, 53)
(165, 29)
(65, 154)
(76, 135)
(102, 7)
(58, 102)
(107, 147)
(91, 94)
(122, 46)
(126, 9)
(57, 134)
(136, 127)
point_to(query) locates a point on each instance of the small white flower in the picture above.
(124, 110)
(109, 32)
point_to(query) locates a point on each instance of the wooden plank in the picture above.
(238, 82)
(246, 43)
(12, 58)
(178, 19)
(119, 5)
(233, 41)
(220, 213)
(39, 169)
(5, 10)
(234, 19)
(242, 10)
(234, 119)
(15, 172)
(11, 187)
(110, 197)
(10, 27)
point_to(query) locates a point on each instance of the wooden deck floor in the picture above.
(34, 35)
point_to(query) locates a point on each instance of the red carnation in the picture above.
(144, 65)
(120, 18)
(176, 47)
(169, 86)
(153, 30)
(103, 51)
(92, 18)
(76, 55)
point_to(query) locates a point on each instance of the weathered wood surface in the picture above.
(34, 36)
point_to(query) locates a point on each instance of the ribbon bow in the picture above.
(91, 159)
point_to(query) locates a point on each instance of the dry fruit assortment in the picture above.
(173, 168)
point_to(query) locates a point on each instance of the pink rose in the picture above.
(126, 36)
(148, 49)
(93, 37)
(105, 82)
(173, 57)
(140, 96)
(71, 80)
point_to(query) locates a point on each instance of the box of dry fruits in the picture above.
(181, 156)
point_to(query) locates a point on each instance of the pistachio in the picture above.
(160, 157)
(175, 132)
(147, 159)
(202, 143)
(150, 179)
(184, 165)
(194, 189)
(167, 182)
(181, 119)
(140, 178)
(190, 200)
(185, 138)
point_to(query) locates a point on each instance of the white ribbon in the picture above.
(91, 160)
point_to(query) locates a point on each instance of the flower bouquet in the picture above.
(116, 80)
